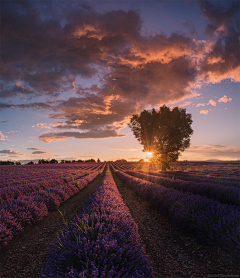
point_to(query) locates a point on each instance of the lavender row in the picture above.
(101, 242)
(208, 220)
(213, 174)
(20, 174)
(218, 192)
(14, 192)
(38, 175)
(189, 177)
(18, 214)
(11, 193)
(224, 194)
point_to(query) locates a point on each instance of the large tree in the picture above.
(165, 133)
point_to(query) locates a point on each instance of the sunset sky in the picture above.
(74, 72)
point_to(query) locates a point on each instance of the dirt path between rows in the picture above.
(26, 255)
(173, 254)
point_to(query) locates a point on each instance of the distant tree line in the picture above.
(43, 161)
(9, 162)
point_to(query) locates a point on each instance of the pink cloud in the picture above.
(212, 102)
(204, 112)
(224, 99)
(200, 104)
(2, 137)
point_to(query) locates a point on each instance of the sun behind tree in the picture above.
(165, 133)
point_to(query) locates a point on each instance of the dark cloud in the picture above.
(223, 60)
(35, 105)
(3, 122)
(48, 46)
(14, 90)
(34, 149)
(5, 106)
(220, 16)
(38, 152)
(10, 152)
(107, 132)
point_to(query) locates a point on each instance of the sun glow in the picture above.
(148, 155)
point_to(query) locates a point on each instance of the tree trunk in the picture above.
(164, 161)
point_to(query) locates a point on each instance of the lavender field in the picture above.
(200, 199)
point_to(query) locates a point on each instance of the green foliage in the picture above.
(121, 160)
(166, 133)
(90, 160)
(42, 161)
(63, 218)
(6, 162)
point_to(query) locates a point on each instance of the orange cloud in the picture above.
(204, 112)
(2, 137)
(224, 99)
(200, 104)
(214, 60)
(212, 102)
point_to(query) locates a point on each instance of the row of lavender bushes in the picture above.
(210, 221)
(16, 215)
(39, 173)
(220, 193)
(101, 242)
(14, 192)
(189, 177)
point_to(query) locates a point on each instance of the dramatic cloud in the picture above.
(224, 99)
(10, 153)
(93, 134)
(50, 50)
(204, 112)
(223, 61)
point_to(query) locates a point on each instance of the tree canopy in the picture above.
(121, 160)
(165, 133)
